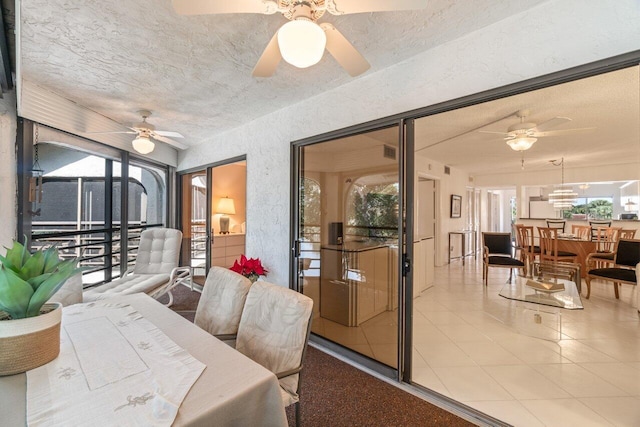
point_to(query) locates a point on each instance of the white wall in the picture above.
(8, 200)
(454, 183)
(553, 36)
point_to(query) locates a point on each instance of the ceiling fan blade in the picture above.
(124, 131)
(171, 142)
(344, 52)
(268, 62)
(359, 6)
(563, 132)
(168, 133)
(556, 121)
(495, 133)
(204, 7)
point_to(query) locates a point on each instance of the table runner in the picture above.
(114, 368)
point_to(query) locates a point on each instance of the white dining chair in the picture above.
(274, 330)
(220, 306)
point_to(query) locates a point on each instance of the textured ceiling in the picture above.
(610, 103)
(194, 72)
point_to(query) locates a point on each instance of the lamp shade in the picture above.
(226, 206)
(143, 145)
(521, 143)
(301, 42)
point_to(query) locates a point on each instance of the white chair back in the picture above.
(159, 251)
(273, 331)
(223, 297)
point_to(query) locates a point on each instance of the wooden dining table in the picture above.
(231, 391)
(582, 248)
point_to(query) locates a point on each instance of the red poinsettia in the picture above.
(249, 267)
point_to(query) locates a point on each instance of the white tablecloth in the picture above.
(123, 369)
(232, 391)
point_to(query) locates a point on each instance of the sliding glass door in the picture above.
(213, 216)
(349, 240)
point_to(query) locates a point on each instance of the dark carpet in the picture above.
(336, 394)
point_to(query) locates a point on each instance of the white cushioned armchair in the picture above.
(155, 271)
(220, 306)
(273, 331)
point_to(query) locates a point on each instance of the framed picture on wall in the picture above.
(456, 206)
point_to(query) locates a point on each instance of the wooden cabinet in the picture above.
(226, 248)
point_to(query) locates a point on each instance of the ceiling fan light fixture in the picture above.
(302, 42)
(521, 143)
(143, 145)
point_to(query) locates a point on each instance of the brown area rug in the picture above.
(336, 394)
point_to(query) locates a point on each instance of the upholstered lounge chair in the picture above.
(155, 271)
(274, 329)
(220, 306)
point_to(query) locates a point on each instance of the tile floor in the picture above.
(468, 345)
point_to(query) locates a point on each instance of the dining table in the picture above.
(582, 248)
(231, 390)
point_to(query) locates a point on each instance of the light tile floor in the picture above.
(467, 347)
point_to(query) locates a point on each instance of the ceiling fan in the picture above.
(301, 41)
(523, 135)
(145, 132)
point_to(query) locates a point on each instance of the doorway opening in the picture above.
(213, 216)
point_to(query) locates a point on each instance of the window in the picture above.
(372, 209)
(80, 209)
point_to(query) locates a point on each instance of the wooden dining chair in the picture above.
(530, 251)
(498, 253)
(274, 330)
(606, 238)
(627, 234)
(220, 306)
(549, 247)
(627, 256)
(518, 253)
(582, 232)
(557, 223)
(594, 224)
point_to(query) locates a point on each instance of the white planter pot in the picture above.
(28, 343)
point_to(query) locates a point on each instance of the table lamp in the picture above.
(225, 207)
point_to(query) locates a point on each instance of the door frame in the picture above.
(208, 168)
(405, 228)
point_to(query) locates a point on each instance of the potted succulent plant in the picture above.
(29, 328)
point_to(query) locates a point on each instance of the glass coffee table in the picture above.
(553, 292)
(539, 316)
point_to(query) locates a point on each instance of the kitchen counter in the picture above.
(357, 246)
(358, 280)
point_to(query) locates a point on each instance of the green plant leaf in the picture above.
(37, 281)
(50, 286)
(33, 267)
(51, 259)
(15, 293)
(7, 263)
(18, 255)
